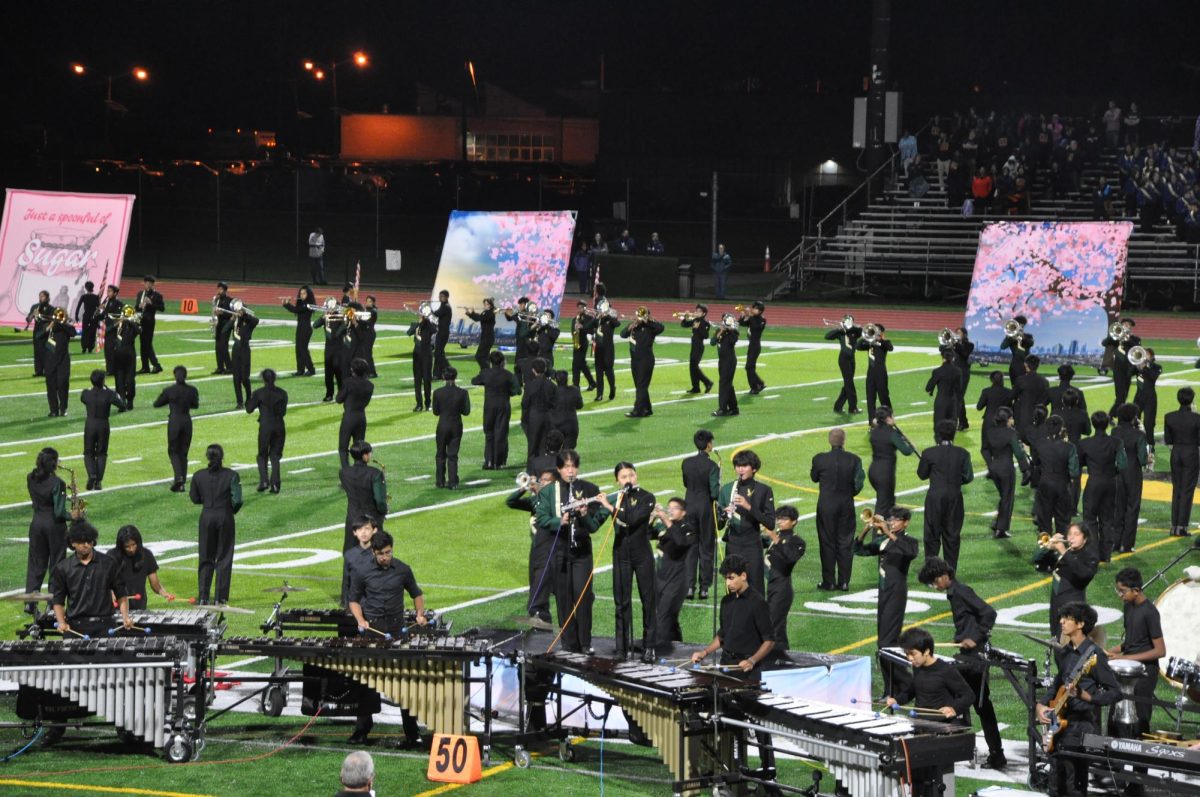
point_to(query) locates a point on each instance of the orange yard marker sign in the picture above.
(454, 759)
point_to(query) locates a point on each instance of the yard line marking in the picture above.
(416, 478)
(13, 454)
(821, 398)
(768, 398)
(299, 470)
(127, 460)
(474, 482)
(918, 403)
(236, 665)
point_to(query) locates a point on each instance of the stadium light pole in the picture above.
(138, 73)
(361, 60)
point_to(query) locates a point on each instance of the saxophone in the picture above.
(78, 505)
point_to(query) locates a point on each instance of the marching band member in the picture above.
(499, 386)
(363, 327)
(1020, 347)
(39, 316)
(840, 477)
(633, 558)
(271, 403)
(302, 309)
(1057, 461)
(366, 494)
(963, 348)
(148, 303)
(1181, 431)
(124, 359)
(541, 545)
(182, 398)
(677, 540)
(885, 441)
(1142, 640)
(725, 338)
(450, 404)
(697, 322)
(361, 557)
(1129, 497)
(1146, 397)
(567, 402)
(111, 311)
(754, 320)
(641, 332)
(487, 331)
(1073, 563)
(1000, 447)
(1122, 371)
(48, 528)
(877, 375)
(702, 488)
(89, 303)
(947, 380)
(84, 584)
(545, 335)
(422, 332)
(993, 397)
(444, 314)
(520, 336)
(847, 335)
(136, 566)
(1030, 391)
(56, 362)
(785, 550)
(221, 301)
(973, 622)
(354, 396)
(1104, 457)
(746, 508)
(241, 326)
(896, 551)
(99, 401)
(219, 491)
(536, 405)
(606, 324)
(1057, 393)
(948, 468)
(582, 328)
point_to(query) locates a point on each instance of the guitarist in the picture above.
(1083, 682)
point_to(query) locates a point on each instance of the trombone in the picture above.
(947, 337)
(846, 323)
(237, 307)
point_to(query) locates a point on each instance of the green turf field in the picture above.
(466, 548)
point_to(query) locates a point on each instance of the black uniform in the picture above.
(877, 375)
(948, 468)
(973, 619)
(182, 399)
(946, 379)
(56, 360)
(362, 332)
(895, 557)
(885, 442)
(962, 361)
(840, 476)
(86, 590)
(745, 626)
(149, 303)
(1070, 775)
(1142, 625)
(487, 334)
(541, 545)
(567, 402)
(1129, 494)
(537, 404)
(124, 359)
(605, 355)
(450, 404)
(220, 493)
(242, 329)
(112, 310)
(755, 324)
(366, 494)
(1030, 391)
(1019, 347)
(1055, 397)
(443, 314)
(520, 342)
(572, 562)
(221, 335)
(700, 328)
(582, 328)
(271, 403)
(1000, 447)
(47, 529)
(354, 397)
(1181, 431)
(41, 330)
(544, 338)
(1122, 371)
(99, 402)
(672, 581)
(134, 572)
(633, 557)
(1073, 572)
(641, 337)
(1104, 457)
(90, 304)
(304, 328)
(422, 332)
(992, 398)
(847, 341)
(1058, 463)
(725, 340)
(702, 486)
(336, 354)
(743, 529)
(499, 386)
(1146, 397)
(781, 558)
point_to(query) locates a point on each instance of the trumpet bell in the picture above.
(237, 305)
(947, 337)
(847, 321)
(546, 318)
(524, 480)
(1116, 330)
(1013, 328)
(603, 306)
(425, 310)
(127, 312)
(331, 304)
(643, 312)
(60, 315)
(870, 332)
(729, 321)
(1138, 356)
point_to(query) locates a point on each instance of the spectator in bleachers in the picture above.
(1016, 199)
(655, 245)
(956, 186)
(1191, 223)
(1129, 190)
(942, 155)
(982, 188)
(908, 149)
(1056, 129)
(970, 151)
(1149, 201)
(1133, 124)
(1102, 200)
(918, 183)
(625, 244)
(1112, 124)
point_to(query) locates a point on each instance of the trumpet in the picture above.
(685, 316)
(947, 338)
(871, 521)
(354, 316)
(1048, 541)
(604, 308)
(846, 323)
(870, 333)
(127, 314)
(545, 318)
(1138, 356)
(740, 309)
(525, 480)
(530, 314)
(1013, 328)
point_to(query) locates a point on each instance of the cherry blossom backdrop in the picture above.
(504, 255)
(1067, 279)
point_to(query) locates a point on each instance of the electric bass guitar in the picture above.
(1057, 722)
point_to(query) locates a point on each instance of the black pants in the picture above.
(962, 397)
(394, 625)
(422, 376)
(779, 601)
(643, 373)
(541, 579)
(95, 447)
(697, 376)
(217, 535)
(570, 431)
(882, 475)
(752, 352)
(671, 584)
(604, 370)
(572, 587)
(1148, 402)
(352, 428)
(849, 394)
(536, 425)
(632, 557)
(749, 547)
(125, 374)
(439, 357)
(579, 365)
(87, 337)
(304, 360)
(877, 390)
(179, 441)
(110, 346)
(1099, 512)
(366, 351)
(1052, 505)
(446, 462)
(700, 566)
(943, 524)
(39, 356)
(726, 396)
(945, 408)
(1002, 474)
(58, 383)
(482, 352)
(496, 418)
(1185, 469)
(835, 539)
(146, 345)
(222, 348)
(241, 372)
(1129, 505)
(270, 448)
(976, 678)
(1068, 775)
(1121, 380)
(47, 547)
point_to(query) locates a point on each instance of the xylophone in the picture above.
(868, 752)
(132, 683)
(184, 623)
(339, 620)
(429, 675)
(669, 704)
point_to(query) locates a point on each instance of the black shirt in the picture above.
(939, 684)
(355, 394)
(133, 574)
(499, 385)
(783, 555)
(756, 325)
(380, 590)
(86, 590)
(677, 539)
(973, 618)
(745, 625)
(182, 399)
(1099, 683)
(100, 401)
(359, 559)
(1075, 570)
(1142, 627)
(450, 404)
(271, 403)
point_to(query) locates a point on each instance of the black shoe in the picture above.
(240, 406)
(454, 486)
(995, 760)
(693, 391)
(275, 489)
(310, 373)
(55, 415)
(143, 370)
(599, 397)
(825, 587)
(414, 743)
(612, 395)
(91, 483)
(62, 414)
(691, 595)
(327, 399)
(719, 413)
(358, 737)
(708, 387)
(855, 411)
(731, 413)
(635, 414)
(297, 373)
(157, 369)
(843, 587)
(703, 594)
(97, 485)
(1000, 534)
(177, 487)
(262, 488)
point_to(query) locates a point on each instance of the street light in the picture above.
(138, 73)
(318, 70)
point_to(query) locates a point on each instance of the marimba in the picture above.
(184, 623)
(867, 751)
(338, 620)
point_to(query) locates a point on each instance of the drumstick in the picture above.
(674, 662)
(912, 711)
(73, 631)
(362, 629)
(113, 631)
(947, 644)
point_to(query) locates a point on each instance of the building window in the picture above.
(516, 147)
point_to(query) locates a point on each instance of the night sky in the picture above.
(237, 64)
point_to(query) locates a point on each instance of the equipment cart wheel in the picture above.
(274, 698)
(179, 749)
(52, 734)
(566, 751)
(521, 758)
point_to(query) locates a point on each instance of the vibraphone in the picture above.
(868, 752)
(338, 620)
(135, 684)
(183, 623)
(429, 675)
(669, 704)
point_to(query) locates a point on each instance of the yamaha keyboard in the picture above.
(1140, 752)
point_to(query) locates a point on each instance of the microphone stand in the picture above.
(1195, 546)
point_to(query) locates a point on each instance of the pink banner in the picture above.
(55, 242)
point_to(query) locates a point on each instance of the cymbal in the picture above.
(536, 623)
(286, 588)
(31, 597)
(221, 608)
(1049, 643)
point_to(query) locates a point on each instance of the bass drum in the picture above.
(1178, 607)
